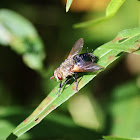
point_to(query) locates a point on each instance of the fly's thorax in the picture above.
(66, 67)
(84, 57)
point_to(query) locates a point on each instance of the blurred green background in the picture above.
(109, 105)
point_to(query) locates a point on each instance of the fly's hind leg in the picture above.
(75, 78)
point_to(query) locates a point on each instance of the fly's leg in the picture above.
(61, 85)
(75, 78)
(68, 79)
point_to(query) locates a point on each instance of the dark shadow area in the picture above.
(12, 137)
(18, 78)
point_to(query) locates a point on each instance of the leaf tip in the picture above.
(67, 9)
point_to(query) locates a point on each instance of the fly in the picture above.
(74, 64)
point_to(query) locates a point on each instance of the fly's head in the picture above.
(58, 75)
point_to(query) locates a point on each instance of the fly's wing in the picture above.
(86, 66)
(77, 47)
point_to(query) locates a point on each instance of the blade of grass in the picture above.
(126, 41)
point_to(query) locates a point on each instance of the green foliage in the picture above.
(124, 108)
(25, 42)
(111, 10)
(106, 53)
(90, 114)
(115, 113)
(63, 125)
(113, 7)
(117, 138)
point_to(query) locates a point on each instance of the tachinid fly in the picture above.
(74, 64)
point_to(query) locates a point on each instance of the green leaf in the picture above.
(125, 110)
(61, 123)
(21, 36)
(126, 41)
(111, 10)
(113, 7)
(117, 138)
(68, 4)
(8, 121)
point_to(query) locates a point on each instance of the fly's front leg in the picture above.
(61, 85)
(75, 78)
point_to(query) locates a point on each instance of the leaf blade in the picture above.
(113, 7)
(68, 4)
(106, 53)
(21, 36)
(111, 10)
(118, 138)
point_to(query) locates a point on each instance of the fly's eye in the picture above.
(59, 76)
